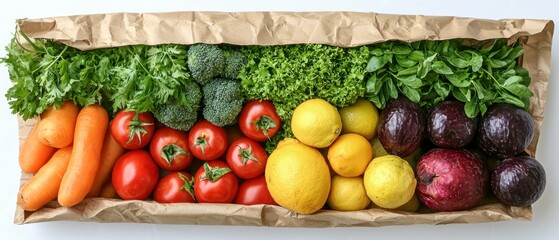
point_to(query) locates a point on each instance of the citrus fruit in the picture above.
(389, 181)
(350, 154)
(298, 177)
(348, 194)
(360, 118)
(316, 123)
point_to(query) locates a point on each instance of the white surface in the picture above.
(546, 210)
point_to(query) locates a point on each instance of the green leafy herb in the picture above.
(428, 72)
(46, 73)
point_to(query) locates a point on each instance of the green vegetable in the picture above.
(138, 78)
(206, 62)
(428, 72)
(235, 61)
(181, 116)
(223, 100)
(289, 75)
(46, 73)
(146, 76)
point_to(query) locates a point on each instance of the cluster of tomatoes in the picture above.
(224, 173)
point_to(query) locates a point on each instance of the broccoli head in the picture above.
(223, 100)
(234, 63)
(181, 113)
(205, 62)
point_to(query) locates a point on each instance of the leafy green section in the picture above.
(148, 76)
(289, 75)
(46, 73)
(428, 72)
(138, 78)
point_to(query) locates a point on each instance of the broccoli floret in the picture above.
(223, 100)
(181, 113)
(205, 62)
(234, 63)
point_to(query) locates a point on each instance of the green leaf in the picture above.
(471, 108)
(410, 80)
(494, 63)
(460, 79)
(467, 92)
(417, 56)
(458, 62)
(476, 62)
(442, 89)
(424, 69)
(431, 58)
(482, 108)
(376, 63)
(404, 61)
(408, 71)
(392, 91)
(401, 50)
(518, 90)
(508, 98)
(512, 80)
(441, 68)
(480, 91)
(411, 93)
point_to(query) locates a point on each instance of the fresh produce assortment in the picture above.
(395, 125)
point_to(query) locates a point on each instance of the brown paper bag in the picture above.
(345, 29)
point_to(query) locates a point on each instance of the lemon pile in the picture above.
(354, 170)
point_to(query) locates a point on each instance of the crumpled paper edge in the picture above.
(346, 29)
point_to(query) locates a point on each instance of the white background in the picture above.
(546, 210)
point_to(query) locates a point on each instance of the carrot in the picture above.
(108, 191)
(91, 125)
(43, 187)
(56, 128)
(34, 154)
(109, 154)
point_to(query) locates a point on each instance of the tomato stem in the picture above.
(136, 128)
(246, 154)
(171, 151)
(188, 185)
(202, 142)
(215, 173)
(264, 123)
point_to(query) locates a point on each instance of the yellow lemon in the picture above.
(360, 118)
(316, 123)
(389, 181)
(350, 155)
(348, 194)
(298, 177)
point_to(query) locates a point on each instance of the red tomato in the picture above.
(207, 141)
(169, 149)
(259, 121)
(175, 187)
(133, 130)
(246, 158)
(135, 175)
(215, 183)
(254, 191)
